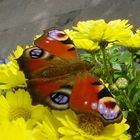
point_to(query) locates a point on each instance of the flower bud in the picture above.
(121, 83)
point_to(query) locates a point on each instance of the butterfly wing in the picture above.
(91, 96)
(54, 48)
(57, 78)
(53, 92)
(48, 67)
(57, 43)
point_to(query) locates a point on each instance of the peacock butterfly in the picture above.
(57, 78)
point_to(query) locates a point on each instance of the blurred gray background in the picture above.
(20, 20)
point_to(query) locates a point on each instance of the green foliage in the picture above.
(121, 63)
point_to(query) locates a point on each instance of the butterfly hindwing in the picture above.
(89, 95)
(54, 93)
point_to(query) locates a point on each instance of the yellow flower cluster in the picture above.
(10, 75)
(19, 119)
(91, 35)
(36, 122)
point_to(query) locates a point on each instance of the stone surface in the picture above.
(20, 20)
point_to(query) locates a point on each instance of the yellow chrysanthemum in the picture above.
(18, 105)
(10, 76)
(37, 36)
(49, 126)
(99, 32)
(138, 31)
(17, 130)
(71, 130)
(82, 43)
(132, 43)
(17, 53)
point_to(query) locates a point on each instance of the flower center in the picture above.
(16, 113)
(90, 124)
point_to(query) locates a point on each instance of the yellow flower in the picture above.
(18, 105)
(17, 53)
(132, 43)
(17, 130)
(99, 33)
(48, 127)
(37, 36)
(82, 43)
(138, 31)
(10, 76)
(71, 130)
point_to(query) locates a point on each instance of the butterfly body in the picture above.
(57, 78)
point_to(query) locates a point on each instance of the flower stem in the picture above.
(106, 69)
(127, 100)
(133, 73)
(93, 57)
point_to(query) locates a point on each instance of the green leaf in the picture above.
(136, 98)
(87, 57)
(125, 57)
(125, 113)
(116, 66)
(138, 52)
(132, 86)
